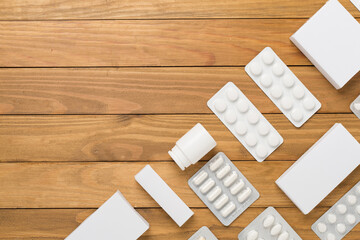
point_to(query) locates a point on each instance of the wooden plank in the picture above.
(231, 42)
(143, 137)
(87, 185)
(146, 90)
(159, 9)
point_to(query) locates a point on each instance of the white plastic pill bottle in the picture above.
(191, 147)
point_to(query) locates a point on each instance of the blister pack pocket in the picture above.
(203, 233)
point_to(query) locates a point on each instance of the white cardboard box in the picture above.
(320, 169)
(331, 41)
(116, 219)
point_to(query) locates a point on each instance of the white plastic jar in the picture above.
(191, 147)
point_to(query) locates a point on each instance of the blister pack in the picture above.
(281, 85)
(203, 233)
(269, 225)
(355, 106)
(223, 188)
(341, 218)
(245, 121)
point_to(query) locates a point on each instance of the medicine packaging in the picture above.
(341, 218)
(155, 186)
(282, 86)
(223, 188)
(115, 219)
(245, 121)
(320, 169)
(203, 233)
(355, 106)
(269, 225)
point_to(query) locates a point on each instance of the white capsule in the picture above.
(221, 201)
(275, 230)
(230, 179)
(263, 129)
(200, 178)
(213, 194)
(331, 218)
(276, 92)
(229, 208)
(278, 69)
(308, 104)
(266, 80)
(252, 235)
(298, 92)
(216, 164)
(288, 80)
(341, 228)
(242, 106)
(267, 57)
(251, 139)
(341, 208)
(351, 199)
(220, 105)
(286, 103)
(201, 238)
(245, 194)
(232, 94)
(207, 186)
(230, 116)
(255, 68)
(253, 117)
(273, 140)
(223, 171)
(237, 187)
(350, 219)
(297, 115)
(241, 128)
(261, 151)
(330, 236)
(358, 209)
(283, 236)
(268, 221)
(321, 227)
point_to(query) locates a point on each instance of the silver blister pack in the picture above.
(355, 106)
(203, 233)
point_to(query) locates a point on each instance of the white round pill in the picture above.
(268, 221)
(255, 68)
(341, 208)
(268, 57)
(309, 104)
(276, 92)
(350, 219)
(351, 199)
(297, 115)
(288, 80)
(273, 140)
(263, 129)
(286, 103)
(261, 151)
(252, 235)
(341, 228)
(242, 106)
(232, 94)
(321, 227)
(220, 105)
(358, 209)
(251, 140)
(283, 236)
(275, 230)
(230, 116)
(298, 92)
(278, 69)
(331, 218)
(330, 236)
(266, 80)
(253, 117)
(241, 128)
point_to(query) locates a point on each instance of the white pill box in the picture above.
(341, 218)
(355, 106)
(245, 121)
(203, 233)
(223, 188)
(320, 169)
(282, 86)
(115, 219)
(164, 195)
(331, 41)
(269, 225)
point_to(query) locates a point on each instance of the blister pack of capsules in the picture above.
(203, 233)
(282, 86)
(269, 225)
(245, 121)
(223, 188)
(341, 218)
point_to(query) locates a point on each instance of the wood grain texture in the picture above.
(144, 138)
(146, 90)
(159, 9)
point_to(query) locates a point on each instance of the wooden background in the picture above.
(92, 90)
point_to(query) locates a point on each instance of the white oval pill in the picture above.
(237, 187)
(266, 80)
(341, 228)
(251, 140)
(242, 106)
(330, 236)
(261, 151)
(358, 209)
(253, 117)
(331, 218)
(230, 179)
(223, 171)
(278, 69)
(220, 105)
(201, 238)
(273, 140)
(276, 92)
(255, 68)
(200, 178)
(308, 104)
(241, 128)
(297, 115)
(298, 92)
(213, 194)
(350, 219)
(351, 199)
(222, 200)
(207, 186)
(252, 235)
(263, 129)
(275, 230)
(229, 208)
(321, 227)
(217, 163)
(268, 57)
(245, 194)
(268, 221)
(288, 81)
(283, 236)
(230, 116)
(286, 103)
(341, 208)
(232, 94)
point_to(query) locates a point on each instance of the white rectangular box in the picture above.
(331, 41)
(164, 195)
(115, 219)
(320, 169)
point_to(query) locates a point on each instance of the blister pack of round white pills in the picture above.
(269, 225)
(341, 218)
(282, 86)
(245, 121)
(223, 188)
(355, 106)
(203, 233)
